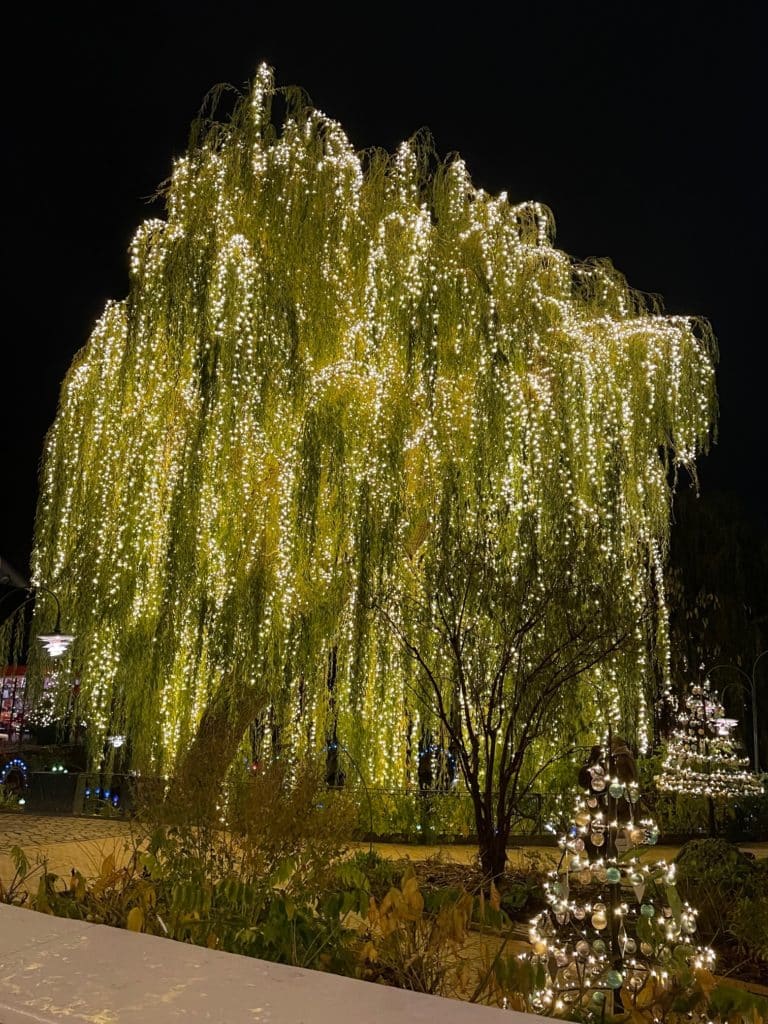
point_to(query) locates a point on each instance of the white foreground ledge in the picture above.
(52, 969)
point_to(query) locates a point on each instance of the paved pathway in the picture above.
(27, 830)
(68, 842)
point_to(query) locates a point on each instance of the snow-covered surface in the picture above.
(53, 969)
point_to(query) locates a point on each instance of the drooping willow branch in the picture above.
(317, 346)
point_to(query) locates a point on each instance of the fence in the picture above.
(417, 816)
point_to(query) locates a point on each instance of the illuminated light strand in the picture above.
(313, 343)
(700, 757)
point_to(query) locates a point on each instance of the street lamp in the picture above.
(751, 687)
(55, 643)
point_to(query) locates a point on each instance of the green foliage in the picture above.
(9, 801)
(317, 349)
(730, 891)
(15, 892)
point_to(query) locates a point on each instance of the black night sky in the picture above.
(640, 130)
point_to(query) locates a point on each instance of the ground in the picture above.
(69, 842)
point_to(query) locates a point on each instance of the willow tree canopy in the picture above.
(314, 342)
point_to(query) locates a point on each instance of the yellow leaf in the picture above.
(644, 996)
(413, 899)
(495, 900)
(135, 920)
(706, 981)
(108, 865)
(369, 952)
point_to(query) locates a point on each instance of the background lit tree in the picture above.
(700, 757)
(317, 347)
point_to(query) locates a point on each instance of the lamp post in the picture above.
(751, 687)
(55, 643)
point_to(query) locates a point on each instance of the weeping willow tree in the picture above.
(316, 346)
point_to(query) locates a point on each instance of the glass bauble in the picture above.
(585, 877)
(616, 789)
(583, 948)
(614, 979)
(647, 910)
(646, 948)
(597, 838)
(599, 921)
(599, 947)
(613, 875)
(629, 946)
(579, 913)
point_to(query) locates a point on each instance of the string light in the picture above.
(595, 941)
(700, 758)
(313, 344)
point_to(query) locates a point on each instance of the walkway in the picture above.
(68, 842)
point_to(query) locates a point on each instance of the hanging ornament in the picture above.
(616, 789)
(583, 948)
(599, 920)
(614, 979)
(613, 875)
(635, 981)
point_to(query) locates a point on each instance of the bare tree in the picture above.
(500, 633)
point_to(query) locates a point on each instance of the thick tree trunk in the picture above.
(493, 851)
(201, 768)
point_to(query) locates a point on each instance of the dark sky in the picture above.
(640, 129)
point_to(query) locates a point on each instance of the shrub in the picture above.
(730, 891)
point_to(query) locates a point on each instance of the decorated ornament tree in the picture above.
(616, 931)
(701, 757)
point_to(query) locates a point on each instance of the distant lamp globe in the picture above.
(56, 643)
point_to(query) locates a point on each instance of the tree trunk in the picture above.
(201, 768)
(493, 850)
